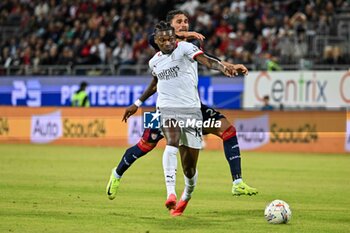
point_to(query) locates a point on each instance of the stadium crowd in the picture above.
(115, 32)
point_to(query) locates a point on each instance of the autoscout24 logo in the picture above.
(153, 120)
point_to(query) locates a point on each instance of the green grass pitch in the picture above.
(62, 189)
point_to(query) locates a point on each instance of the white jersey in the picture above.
(177, 75)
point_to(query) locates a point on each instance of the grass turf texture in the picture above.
(62, 189)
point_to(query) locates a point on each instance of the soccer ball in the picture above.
(277, 212)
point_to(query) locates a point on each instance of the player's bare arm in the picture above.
(215, 65)
(239, 68)
(150, 90)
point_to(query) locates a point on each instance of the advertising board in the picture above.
(302, 89)
(117, 91)
(288, 131)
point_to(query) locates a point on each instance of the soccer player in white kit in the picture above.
(175, 70)
(150, 136)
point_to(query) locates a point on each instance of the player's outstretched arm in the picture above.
(239, 68)
(190, 35)
(216, 65)
(132, 109)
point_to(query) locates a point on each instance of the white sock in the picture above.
(237, 181)
(116, 174)
(169, 167)
(190, 184)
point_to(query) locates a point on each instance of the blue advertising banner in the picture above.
(117, 91)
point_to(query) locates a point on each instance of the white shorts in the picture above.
(191, 137)
(191, 134)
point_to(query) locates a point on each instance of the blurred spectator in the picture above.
(66, 58)
(267, 106)
(202, 17)
(285, 46)
(51, 56)
(103, 32)
(41, 10)
(122, 54)
(80, 98)
(271, 63)
(100, 48)
(190, 6)
(300, 47)
(5, 58)
(333, 55)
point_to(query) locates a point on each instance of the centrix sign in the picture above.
(298, 89)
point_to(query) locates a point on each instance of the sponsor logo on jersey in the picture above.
(168, 74)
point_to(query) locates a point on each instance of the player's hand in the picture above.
(191, 35)
(228, 71)
(236, 69)
(241, 69)
(129, 112)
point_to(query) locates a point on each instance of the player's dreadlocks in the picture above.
(163, 26)
(171, 14)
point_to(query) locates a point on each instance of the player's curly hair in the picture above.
(163, 26)
(171, 14)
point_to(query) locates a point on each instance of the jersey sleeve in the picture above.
(151, 66)
(198, 44)
(190, 50)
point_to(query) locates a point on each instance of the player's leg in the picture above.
(189, 158)
(232, 152)
(172, 136)
(190, 144)
(148, 141)
(227, 133)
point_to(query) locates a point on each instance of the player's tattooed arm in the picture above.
(215, 65)
(150, 90)
(240, 69)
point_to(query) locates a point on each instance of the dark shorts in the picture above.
(208, 112)
(152, 135)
